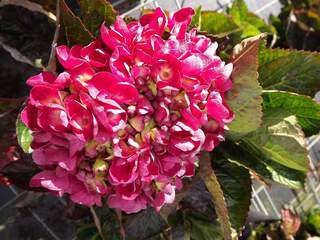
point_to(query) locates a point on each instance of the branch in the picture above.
(97, 222)
(52, 63)
(16, 55)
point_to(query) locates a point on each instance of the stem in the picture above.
(119, 220)
(97, 222)
(52, 63)
(213, 186)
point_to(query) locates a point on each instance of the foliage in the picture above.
(290, 226)
(298, 25)
(271, 99)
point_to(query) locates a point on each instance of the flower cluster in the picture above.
(130, 114)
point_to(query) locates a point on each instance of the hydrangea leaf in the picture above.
(144, 224)
(218, 24)
(75, 30)
(235, 182)
(289, 70)
(196, 20)
(87, 232)
(93, 13)
(283, 143)
(279, 105)
(250, 24)
(210, 179)
(200, 227)
(245, 97)
(24, 136)
(264, 168)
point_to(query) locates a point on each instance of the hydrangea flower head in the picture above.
(130, 114)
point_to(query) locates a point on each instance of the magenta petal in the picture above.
(162, 114)
(29, 117)
(155, 21)
(216, 108)
(144, 106)
(124, 93)
(69, 58)
(118, 34)
(86, 198)
(123, 172)
(45, 96)
(95, 55)
(81, 120)
(129, 191)
(101, 81)
(53, 119)
(128, 206)
(42, 78)
(49, 180)
(166, 71)
(108, 112)
(180, 22)
(119, 62)
(51, 154)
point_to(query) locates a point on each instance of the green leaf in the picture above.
(75, 30)
(93, 13)
(279, 105)
(250, 24)
(235, 182)
(289, 70)
(144, 224)
(196, 20)
(245, 97)
(110, 227)
(87, 232)
(201, 227)
(218, 24)
(283, 143)
(24, 136)
(214, 187)
(262, 167)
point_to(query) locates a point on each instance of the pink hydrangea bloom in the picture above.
(131, 113)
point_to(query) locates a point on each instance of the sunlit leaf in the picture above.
(279, 105)
(218, 24)
(235, 182)
(289, 70)
(24, 136)
(245, 97)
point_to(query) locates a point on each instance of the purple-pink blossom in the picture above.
(130, 114)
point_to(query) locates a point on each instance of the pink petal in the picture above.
(29, 117)
(180, 22)
(49, 180)
(128, 206)
(69, 58)
(123, 172)
(45, 96)
(53, 119)
(81, 120)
